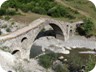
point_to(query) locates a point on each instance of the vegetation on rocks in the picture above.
(87, 28)
(4, 11)
(0, 32)
(8, 30)
(75, 62)
(91, 63)
(61, 68)
(47, 60)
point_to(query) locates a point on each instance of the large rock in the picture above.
(2, 70)
(7, 61)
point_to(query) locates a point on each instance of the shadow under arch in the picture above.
(56, 32)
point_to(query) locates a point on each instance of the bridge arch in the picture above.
(55, 31)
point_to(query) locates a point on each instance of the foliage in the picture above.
(10, 12)
(2, 11)
(75, 62)
(91, 63)
(4, 26)
(59, 11)
(61, 68)
(47, 7)
(88, 26)
(47, 59)
(7, 18)
(0, 32)
(6, 12)
(8, 30)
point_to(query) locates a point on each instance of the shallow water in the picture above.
(35, 51)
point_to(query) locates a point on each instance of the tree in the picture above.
(88, 26)
(2, 11)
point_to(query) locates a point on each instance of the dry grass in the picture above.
(26, 18)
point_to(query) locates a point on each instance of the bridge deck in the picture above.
(23, 30)
(28, 28)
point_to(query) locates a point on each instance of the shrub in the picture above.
(47, 60)
(8, 30)
(91, 63)
(4, 26)
(39, 10)
(59, 11)
(88, 26)
(7, 18)
(61, 68)
(10, 12)
(12, 23)
(2, 11)
(75, 64)
(0, 32)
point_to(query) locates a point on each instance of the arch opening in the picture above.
(45, 33)
(24, 38)
(14, 52)
(54, 31)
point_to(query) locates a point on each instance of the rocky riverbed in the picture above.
(9, 26)
(39, 47)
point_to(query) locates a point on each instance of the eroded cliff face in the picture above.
(7, 61)
(10, 63)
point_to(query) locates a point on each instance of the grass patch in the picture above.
(47, 60)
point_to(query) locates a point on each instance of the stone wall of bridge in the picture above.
(23, 41)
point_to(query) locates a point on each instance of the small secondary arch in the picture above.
(14, 52)
(24, 38)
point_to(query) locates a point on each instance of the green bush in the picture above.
(59, 11)
(0, 32)
(88, 26)
(75, 63)
(47, 60)
(10, 12)
(61, 68)
(8, 30)
(7, 18)
(91, 63)
(4, 26)
(39, 10)
(2, 11)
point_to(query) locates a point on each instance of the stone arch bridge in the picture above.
(22, 39)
